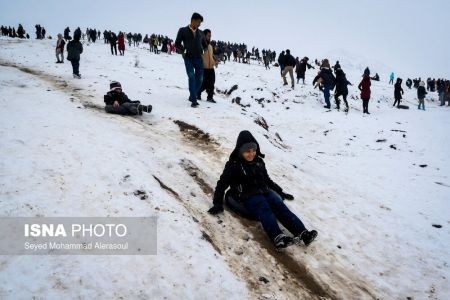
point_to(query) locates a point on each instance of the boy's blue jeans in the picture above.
(269, 207)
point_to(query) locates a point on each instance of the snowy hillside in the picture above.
(372, 186)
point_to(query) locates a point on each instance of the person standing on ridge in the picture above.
(289, 64)
(209, 76)
(191, 43)
(391, 78)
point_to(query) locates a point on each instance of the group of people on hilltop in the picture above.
(13, 33)
(202, 78)
(441, 86)
(92, 35)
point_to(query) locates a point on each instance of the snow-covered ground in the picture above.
(359, 180)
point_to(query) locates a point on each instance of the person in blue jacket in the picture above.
(391, 78)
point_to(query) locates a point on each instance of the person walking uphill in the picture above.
(341, 88)
(364, 87)
(117, 102)
(289, 64)
(300, 69)
(191, 43)
(246, 175)
(398, 92)
(113, 43)
(209, 76)
(281, 62)
(74, 49)
(327, 80)
(121, 42)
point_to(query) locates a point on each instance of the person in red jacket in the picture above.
(364, 87)
(121, 41)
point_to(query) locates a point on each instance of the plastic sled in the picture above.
(236, 206)
(401, 106)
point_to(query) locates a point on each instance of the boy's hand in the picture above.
(116, 104)
(285, 196)
(216, 209)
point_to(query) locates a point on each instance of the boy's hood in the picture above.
(245, 137)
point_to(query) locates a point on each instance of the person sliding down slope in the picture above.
(117, 102)
(246, 175)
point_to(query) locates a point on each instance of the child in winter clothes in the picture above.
(74, 49)
(398, 92)
(246, 175)
(117, 102)
(421, 92)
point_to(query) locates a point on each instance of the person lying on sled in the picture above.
(117, 102)
(246, 175)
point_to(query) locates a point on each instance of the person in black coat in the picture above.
(398, 92)
(336, 66)
(300, 69)
(281, 61)
(191, 44)
(113, 43)
(246, 175)
(341, 88)
(117, 102)
(74, 50)
(289, 64)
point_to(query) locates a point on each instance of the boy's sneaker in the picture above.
(211, 100)
(194, 104)
(78, 76)
(307, 237)
(283, 241)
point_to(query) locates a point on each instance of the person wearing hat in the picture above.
(300, 69)
(421, 92)
(117, 102)
(60, 49)
(246, 175)
(328, 81)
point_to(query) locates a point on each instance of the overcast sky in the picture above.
(411, 36)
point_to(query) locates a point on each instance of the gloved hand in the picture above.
(217, 208)
(285, 196)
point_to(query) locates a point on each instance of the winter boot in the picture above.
(144, 108)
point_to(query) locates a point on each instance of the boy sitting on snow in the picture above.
(246, 175)
(117, 102)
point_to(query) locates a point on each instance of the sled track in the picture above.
(289, 278)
